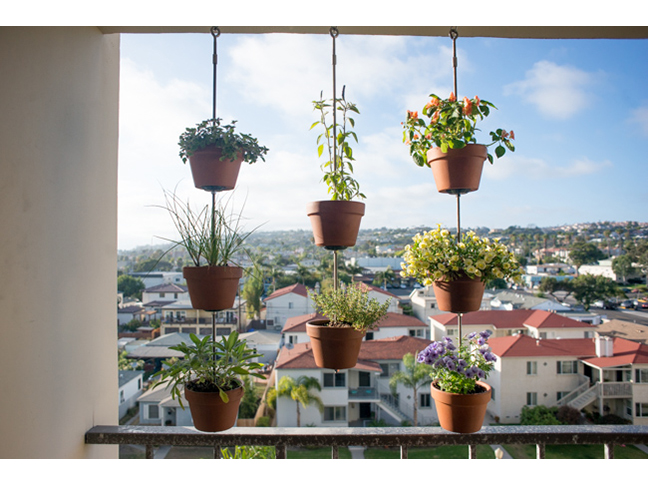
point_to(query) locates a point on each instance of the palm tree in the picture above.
(299, 390)
(415, 376)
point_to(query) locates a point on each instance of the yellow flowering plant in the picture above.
(437, 255)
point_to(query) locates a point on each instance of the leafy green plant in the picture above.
(338, 169)
(209, 366)
(349, 305)
(456, 369)
(452, 125)
(212, 132)
(249, 452)
(211, 236)
(436, 255)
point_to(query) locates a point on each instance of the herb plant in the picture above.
(349, 306)
(233, 144)
(456, 370)
(436, 255)
(338, 169)
(452, 125)
(209, 366)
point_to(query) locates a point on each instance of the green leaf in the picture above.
(499, 151)
(223, 396)
(320, 150)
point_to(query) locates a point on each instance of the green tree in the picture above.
(415, 376)
(539, 415)
(153, 264)
(550, 285)
(250, 400)
(582, 253)
(123, 363)
(622, 266)
(130, 286)
(299, 390)
(252, 292)
(590, 288)
(381, 279)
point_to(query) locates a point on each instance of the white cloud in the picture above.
(515, 166)
(556, 91)
(639, 117)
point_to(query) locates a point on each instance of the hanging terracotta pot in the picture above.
(212, 288)
(335, 348)
(461, 295)
(212, 174)
(459, 170)
(210, 413)
(335, 223)
(459, 413)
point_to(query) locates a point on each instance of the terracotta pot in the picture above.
(461, 413)
(335, 348)
(212, 288)
(210, 413)
(335, 223)
(459, 296)
(459, 170)
(212, 174)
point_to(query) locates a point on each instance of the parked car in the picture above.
(627, 304)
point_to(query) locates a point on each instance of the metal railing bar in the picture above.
(280, 451)
(472, 451)
(540, 451)
(608, 451)
(335, 454)
(404, 452)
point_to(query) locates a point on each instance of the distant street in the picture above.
(637, 316)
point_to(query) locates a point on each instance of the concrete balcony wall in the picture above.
(59, 98)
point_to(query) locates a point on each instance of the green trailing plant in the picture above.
(451, 125)
(338, 169)
(212, 132)
(211, 236)
(209, 366)
(349, 305)
(249, 452)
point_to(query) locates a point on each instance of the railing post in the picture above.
(217, 452)
(404, 452)
(150, 451)
(609, 451)
(472, 451)
(335, 453)
(281, 451)
(540, 451)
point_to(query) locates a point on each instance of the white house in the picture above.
(288, 302)
(382, 296)
(180, 316)
(158, 408)
(355, 396)
(264, 342)
(536, 323)
(130, 388)
(152, 279)
(603, 375)
(509, 300)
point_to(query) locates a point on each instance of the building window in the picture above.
(139, 383)
(452, 332)
(628, 408)
(153, 412)
(543, 335)
(369, 336)
(389, 369)
(332, 380)
(416, 332)
(161, 294)
(532, 367)
(567, 367)
(425, 400)
(432, 306)
(493, 393)
(121, 396)
(292, 339)
(335, 414)
(290, 305)
(641, 376)
(641, 409)
(532, 399)
(561, 395)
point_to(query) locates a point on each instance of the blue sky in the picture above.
(578, 108)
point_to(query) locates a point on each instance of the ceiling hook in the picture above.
(453, 33)
(334, 32)
(215, 31)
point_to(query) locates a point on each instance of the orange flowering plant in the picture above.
(452, 124)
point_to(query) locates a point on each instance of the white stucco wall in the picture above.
(286, 306)
(58, 195)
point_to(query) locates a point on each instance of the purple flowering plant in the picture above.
(457, 369)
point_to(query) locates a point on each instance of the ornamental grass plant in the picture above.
(436, 255)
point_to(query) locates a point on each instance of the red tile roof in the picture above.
(513, 319)
(625, 352)
(301, 355)
(298, 289)
(367, 287)
(298, 323)
(526, 346)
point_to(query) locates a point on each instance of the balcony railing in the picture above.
(404, 437)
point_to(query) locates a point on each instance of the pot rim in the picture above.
(483, 384)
